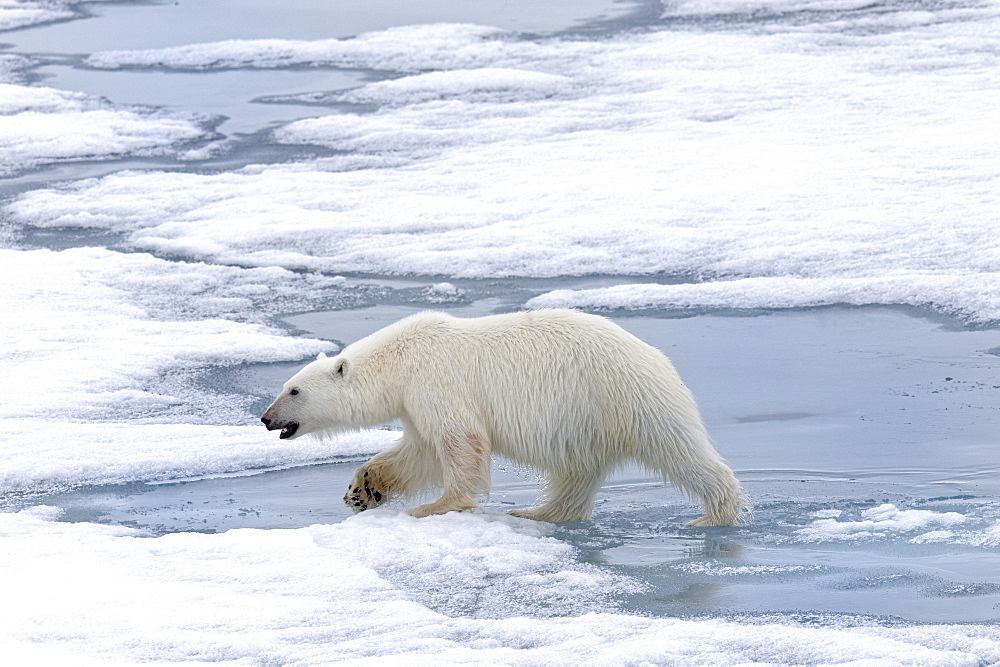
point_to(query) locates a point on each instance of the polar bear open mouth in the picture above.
(289, 430)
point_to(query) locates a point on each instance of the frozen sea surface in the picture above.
(797, 200)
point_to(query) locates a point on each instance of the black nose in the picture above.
(267, 422)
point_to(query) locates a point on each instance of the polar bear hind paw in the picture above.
(704, 521)
(443, 506)
(551, 515)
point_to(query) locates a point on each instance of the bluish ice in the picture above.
(796, 200)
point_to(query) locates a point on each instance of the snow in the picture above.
(89, 348)
(40, 125)
(393, 49)
(768, 169)
(478, 85)
(12, 68)
(20, 13)
(97, 353)
(716, 7)
(58, 455)
(878, 522)
(973, 296)
(380, 586)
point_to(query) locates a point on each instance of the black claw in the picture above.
(378, 496)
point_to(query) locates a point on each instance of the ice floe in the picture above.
(770, 169)
(99, 351)
(21, 13)
(880, 522)
(975, 297)
(356, 590)
(41, 125)
(46, 456)
(441, 46)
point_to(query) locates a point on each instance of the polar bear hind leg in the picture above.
(721, 496)
(568, 496)
(708, 480)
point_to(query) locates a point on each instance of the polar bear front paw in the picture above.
(365, 491)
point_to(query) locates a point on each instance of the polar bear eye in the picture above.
(294, 392)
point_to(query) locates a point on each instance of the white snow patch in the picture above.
(12, 68)
(21, 13)
(98, 351)
(75, 344)
(42, 456)
(781, 168)
(39, 125)
(356, 591)
(405, 49)
(934, 536)
(716, 569)
(716, 7)
(877, 522)
(483, 84)
(975, 296)
(989, 538)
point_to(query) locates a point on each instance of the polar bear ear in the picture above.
(341, 369)
(321, 355)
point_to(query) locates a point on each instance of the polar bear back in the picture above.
(548, 388)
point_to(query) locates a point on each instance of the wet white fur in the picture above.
(567, 393)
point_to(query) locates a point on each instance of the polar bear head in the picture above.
(331, 394)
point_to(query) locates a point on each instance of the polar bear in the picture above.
(567, 393)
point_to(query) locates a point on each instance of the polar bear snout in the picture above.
(288, 429)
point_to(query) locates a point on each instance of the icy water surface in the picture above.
(865, 437)
(796, 200)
